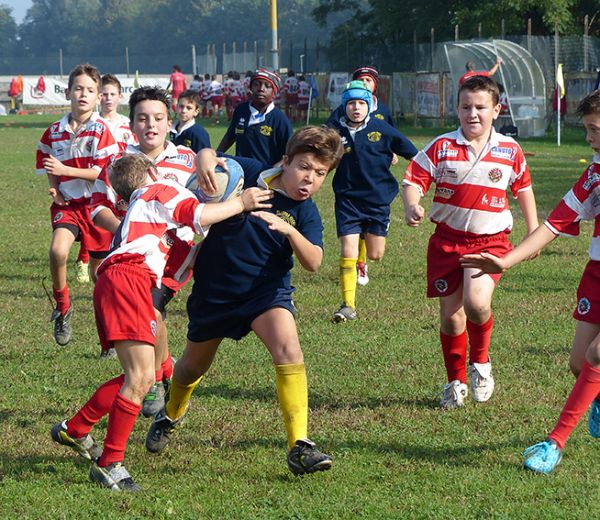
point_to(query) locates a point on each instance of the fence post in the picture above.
(502, 29)
(585, 42)
(479, 30)
(305, 54)
(233, 51)
(432, 48)
(291, 62)
(127, 60)
(245, 51)
(415, 51)
(556, 43)
(529, 35)
(456, 33)
(255, 55)
(194, 66)
(60, 62)
(208, 59)
(318, 60)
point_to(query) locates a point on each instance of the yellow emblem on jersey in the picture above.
(266, 130)
(348, 149)
(286, 217)
(379, 116)
(374, 137)
(188, 143)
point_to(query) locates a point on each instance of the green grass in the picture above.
(373, 384)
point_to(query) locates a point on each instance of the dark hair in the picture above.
(323, 142)
(192, 95)
(177, 68)
(84, 69)
(110, 79)
(590, 104)
(147, 94)
(480, 84)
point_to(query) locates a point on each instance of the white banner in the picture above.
(54, 93)
(337, 82)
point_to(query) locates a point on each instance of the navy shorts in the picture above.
(353, 218)
(232, 320)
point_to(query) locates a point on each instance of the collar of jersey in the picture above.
(189, 124)
(169, 151)
(64, 122)
(353, 130)
(268, 176)
(256, 117)
(494, 139)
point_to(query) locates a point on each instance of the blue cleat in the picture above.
(594, 419)
(542, 457)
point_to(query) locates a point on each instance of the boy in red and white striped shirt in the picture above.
(472, 168)
(580, 203)
(72, 152)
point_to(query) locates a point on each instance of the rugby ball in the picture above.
(229, 183)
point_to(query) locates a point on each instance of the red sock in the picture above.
(480, 336)
(203, 111)
(96, 408)
(121, 419)
(454, 349)
(84, 255)
(210, 113)
(585, 389)
(63, 301)
(167, 368)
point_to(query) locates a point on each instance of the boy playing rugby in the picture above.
(364, 187)
(580, 203)
(72, 152)
(124, 310)
(249, 260)
(472, 169)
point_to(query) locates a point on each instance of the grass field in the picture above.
(374, 384)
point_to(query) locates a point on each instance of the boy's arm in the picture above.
(309, 255)
(250, 199)
(56, 168)
(402, 146)
(526, 201)
(414, 213)
(54, 192)
(106, 219)
(488, 263)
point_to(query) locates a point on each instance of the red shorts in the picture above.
(123, 305)
(291, 99)
(588, 294)
(77, 219)
(444, 272)
(179, 266)
(217, 100)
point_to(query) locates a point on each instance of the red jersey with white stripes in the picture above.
(90, 147)
(582, 202)
(175, 163)
(290, 86)
(121, 131)
(470, 190)
(303, 92)
(228, 86)
(143, 236)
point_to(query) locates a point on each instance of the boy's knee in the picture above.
(375, 256)
(58, 254)
(287, 354)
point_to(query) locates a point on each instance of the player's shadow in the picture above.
(20, 467)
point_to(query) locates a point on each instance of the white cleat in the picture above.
(482, 381)
(453, 395)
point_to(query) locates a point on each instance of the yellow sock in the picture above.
(292, 390)
(179, 398)
(348, 281)
(362, 250)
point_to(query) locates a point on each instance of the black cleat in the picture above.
(304, 457)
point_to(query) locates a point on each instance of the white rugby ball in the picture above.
(230, 183)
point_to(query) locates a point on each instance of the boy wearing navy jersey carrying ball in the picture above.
(249, 260)
(364, 186)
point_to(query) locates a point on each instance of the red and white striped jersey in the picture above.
(175, 163)
(303, 92)
(582, 202)
(471, 191)
(205, 91)
(237, 90)
(228, 85)
(290, 86)
(215, 89)
(90, 147)
(121, 131)
(143, 236)
(246, 87)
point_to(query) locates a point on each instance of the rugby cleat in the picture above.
(594, 419)
(542, 457)
(62, 326)
(85, 446)
(453, 395)
(82, 272)
(344, 313)
(362, 273)
(160, 431)
(114, 477)
(154, 400)
(482, 381)
(304, 457)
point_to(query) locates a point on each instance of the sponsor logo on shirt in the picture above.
(183, 158)
(170, 176)
(503, 152)
(495, 202)
(495, 174)
(443, 192)
(446, 151)
(441, 285)
(449, 173)
(239, 130)
(583, 306)
(374, 137)
(266, 130)
(592, 179)
(153, 327)
(286, 217)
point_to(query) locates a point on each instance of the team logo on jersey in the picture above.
(153, 327)
(495, 174)
(58, 217)
(503, 152)
(167, 240)
(592, 179)
(441, 285)
(379, 116)
(122, 205)
(347, 149)
(187, 142)
(374, 137)
(286, 217)
(266, 130)
(583, 306)
(446, 151)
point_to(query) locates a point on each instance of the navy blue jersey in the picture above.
(381, 112)
(265, 140)
(242, 258)
(194, 137)
(364, 171)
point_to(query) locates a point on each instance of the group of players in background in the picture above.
(472, 168)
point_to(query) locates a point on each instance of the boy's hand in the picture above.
(57, 197)
(395, 159)
(255, 198)
(205, 171)
(275, 223)
(414, 215)
(53, 166)
(485, 262)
